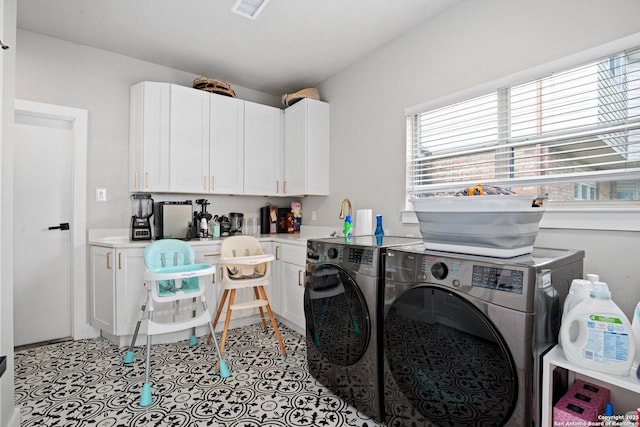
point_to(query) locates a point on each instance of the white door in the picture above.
(43, 198)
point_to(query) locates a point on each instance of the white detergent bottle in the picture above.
(578, 292)
(635, 327)
(605, 341)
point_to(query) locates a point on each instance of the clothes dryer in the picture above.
(464, 335)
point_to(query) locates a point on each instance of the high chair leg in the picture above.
(222, 365)
(220, 307)
(226, 321)
(128, 358)
(264, 322)
(145, 396)
(273, 320)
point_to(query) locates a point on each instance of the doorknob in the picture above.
(62, 226)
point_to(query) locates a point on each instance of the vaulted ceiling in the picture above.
(292, 44)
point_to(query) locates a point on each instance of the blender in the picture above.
(142, 207)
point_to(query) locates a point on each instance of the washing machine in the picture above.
(464, 335)
(343, 313)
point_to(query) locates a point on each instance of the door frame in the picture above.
(78, 120)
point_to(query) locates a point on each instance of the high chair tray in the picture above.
(248, 260)
(179, 271)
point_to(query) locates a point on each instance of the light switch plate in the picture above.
(101, 194)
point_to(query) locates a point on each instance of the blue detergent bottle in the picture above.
(379, 233)
(348, 228)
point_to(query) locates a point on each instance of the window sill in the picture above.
(608, 219)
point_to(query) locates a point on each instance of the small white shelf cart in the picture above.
(617, 384)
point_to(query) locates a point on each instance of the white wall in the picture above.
(468, 45)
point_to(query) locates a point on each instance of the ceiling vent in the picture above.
(249, 8)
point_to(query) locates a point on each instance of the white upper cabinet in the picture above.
(149, 137)
(226, 138)
(185, 140)
(262, 150)
(306, 148)
(189, 140)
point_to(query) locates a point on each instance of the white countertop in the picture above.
(119, 238)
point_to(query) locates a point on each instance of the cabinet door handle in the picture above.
(119, 260)
(136, 181)
(213, 183)
(284, 187)
(205, 182)
(211, 254)
(301, 278)
(146, 180)
(108, 260)
(277, 186)
(278, 253)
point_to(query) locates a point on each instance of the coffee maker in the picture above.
(142, 209)
(236, 223)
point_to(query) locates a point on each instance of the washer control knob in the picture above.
(332, 253)
(439, 270)
(456, 283)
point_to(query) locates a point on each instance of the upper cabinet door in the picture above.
(149, 137)
(226, 138)
(306, 148)
(263, 150)
(189, 140)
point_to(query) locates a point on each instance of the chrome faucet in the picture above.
(348, 202)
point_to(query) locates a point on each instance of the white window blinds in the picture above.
(574, 135)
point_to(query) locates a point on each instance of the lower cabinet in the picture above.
(292, 281)
(117, 288)
(102, 282)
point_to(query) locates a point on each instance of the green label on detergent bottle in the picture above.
(606, 319)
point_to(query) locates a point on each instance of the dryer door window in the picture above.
(338, 324)
(446, 360)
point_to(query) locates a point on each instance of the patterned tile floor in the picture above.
(85, 383)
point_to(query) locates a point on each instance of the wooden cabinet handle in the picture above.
(108, 260)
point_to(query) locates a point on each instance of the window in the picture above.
(573, 135)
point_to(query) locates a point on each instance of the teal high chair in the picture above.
(172, 277)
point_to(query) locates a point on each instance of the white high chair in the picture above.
(172, 277)
(244, 265)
